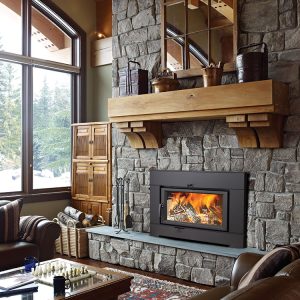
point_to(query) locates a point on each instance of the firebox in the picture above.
(194, 208)
(200, 206)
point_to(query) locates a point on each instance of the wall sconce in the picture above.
(100, 35)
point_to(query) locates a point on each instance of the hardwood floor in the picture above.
(100, 264)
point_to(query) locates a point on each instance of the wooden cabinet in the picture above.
(90, 142)
(90, 181)
(91, 169)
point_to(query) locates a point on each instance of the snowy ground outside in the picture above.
(10, 180)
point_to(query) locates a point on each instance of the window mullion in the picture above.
(27, 129)
(27, 99)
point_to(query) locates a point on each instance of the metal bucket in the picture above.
(212, 76)
(252, 66)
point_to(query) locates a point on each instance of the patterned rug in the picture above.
(144, 288)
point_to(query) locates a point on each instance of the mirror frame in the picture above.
(228, 67)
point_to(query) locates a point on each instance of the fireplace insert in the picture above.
(199, 206)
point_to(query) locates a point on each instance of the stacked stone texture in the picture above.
(274, 181)
(189, 265)
(274, 184)
(136, 36)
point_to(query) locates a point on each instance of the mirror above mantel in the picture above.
(196, 33)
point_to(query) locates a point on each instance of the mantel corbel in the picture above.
(142, 135)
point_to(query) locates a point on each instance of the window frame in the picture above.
(187, 72)
(78, 91)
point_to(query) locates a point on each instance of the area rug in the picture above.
(144, 288)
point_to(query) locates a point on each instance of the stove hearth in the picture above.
(199, 206)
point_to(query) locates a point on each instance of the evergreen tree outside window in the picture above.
(41, 93)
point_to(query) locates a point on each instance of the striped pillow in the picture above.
(9, 221)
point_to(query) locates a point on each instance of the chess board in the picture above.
(72, 272)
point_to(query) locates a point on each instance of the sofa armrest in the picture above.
(44, 236)
(242, 265)
(271, 288)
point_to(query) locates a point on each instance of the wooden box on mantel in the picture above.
(253, 109)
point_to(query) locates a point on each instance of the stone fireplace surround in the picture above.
(274, 184)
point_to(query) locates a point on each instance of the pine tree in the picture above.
(10, 117)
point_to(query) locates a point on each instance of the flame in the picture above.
(202, 204)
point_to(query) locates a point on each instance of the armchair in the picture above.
(274, 276)
(37, 238)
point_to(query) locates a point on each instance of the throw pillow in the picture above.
(268, 265)
(9, 221)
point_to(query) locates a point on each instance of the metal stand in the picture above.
(120, 205)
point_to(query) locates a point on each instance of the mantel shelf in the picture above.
(253, 109)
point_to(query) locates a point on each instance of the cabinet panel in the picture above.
(85, 206)
(81, 179)
(100, 182)
(95, 208)
(99, 145)
(76, 204)
(81, 140)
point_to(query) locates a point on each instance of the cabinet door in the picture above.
(82, 179)
(76, 204)
(99, 142)
(82, 142)
(95, 208)
(85, 207)
(99, 186)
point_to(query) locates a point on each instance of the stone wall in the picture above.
(274, 185)
(199, 267)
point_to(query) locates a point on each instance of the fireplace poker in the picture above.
(128, 218)
(120, 205)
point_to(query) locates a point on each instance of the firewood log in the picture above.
(74, 213)
(68, 221)
(92, 219)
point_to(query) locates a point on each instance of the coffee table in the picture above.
(102, 284)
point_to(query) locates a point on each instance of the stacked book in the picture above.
(19, 283)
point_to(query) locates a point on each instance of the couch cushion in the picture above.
(292, 270)
(9, 221)
(270, 264)
(12, 254)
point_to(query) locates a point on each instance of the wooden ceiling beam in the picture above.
(41, 23)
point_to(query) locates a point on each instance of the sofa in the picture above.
(276, 275)
(36, 237)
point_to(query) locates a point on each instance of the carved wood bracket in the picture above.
(142, 135)
(257, 130)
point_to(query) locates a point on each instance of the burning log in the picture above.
(217, 213)
(192, 214)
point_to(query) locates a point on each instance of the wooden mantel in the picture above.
(254, 109)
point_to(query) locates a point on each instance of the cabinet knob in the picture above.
(90, 179)
(91, 142)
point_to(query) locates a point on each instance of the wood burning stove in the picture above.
(200, 206)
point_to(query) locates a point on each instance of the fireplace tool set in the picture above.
(123, 220)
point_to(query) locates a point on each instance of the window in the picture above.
(41, 94)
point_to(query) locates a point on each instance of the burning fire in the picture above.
(195, 208)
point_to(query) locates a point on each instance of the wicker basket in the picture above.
(72, 241)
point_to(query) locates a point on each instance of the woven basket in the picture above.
(72, 241)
